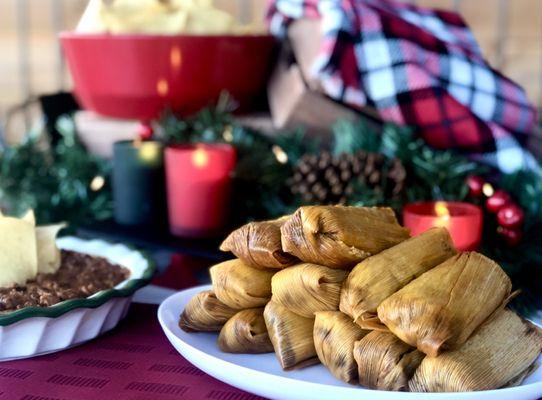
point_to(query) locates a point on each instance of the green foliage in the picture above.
(526, 188)
(432, 174)
(353, 136)
(260, 179)
(55, 182)
(522, 263)
(263, 163)
(208, 125)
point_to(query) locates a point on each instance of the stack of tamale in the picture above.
(348, 287)
(241, 289)
(376, 278)
(312, 251)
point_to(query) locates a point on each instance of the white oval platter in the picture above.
(261, 374)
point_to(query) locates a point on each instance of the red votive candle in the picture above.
(198, 179)
(463, 221)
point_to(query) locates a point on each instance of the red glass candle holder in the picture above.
(463, 220)
(198, 180)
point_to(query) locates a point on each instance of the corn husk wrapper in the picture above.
(258, 245)
(500, 353)
(291, 335)
(385, 362)
(240, 286)
(440, 309)
(18, 250)
(334, 338)
(48, 252)
(378, 277)
(306, 288)
(245, 332)
(339, 236)
(205, 313)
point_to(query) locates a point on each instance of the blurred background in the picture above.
(510, 33)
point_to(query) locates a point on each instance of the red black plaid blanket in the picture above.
(420, 67)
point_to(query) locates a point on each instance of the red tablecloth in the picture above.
(135, 361)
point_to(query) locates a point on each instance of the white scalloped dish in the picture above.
(33, 331)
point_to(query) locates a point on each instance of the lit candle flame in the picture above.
(149, 152)
(443, 214)
(200, 158)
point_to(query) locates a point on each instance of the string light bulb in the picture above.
(280, 154)
(97, 183)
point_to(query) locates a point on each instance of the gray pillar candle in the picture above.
(138, 183)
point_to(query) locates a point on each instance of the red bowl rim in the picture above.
(72, 35)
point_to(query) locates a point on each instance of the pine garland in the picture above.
(433, 174)
(263, 163)
(61, 183)
(57, 181)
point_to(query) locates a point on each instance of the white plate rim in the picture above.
(354, 392)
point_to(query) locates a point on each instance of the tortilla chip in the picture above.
(18, 251)
(48, 252)
(29, 217)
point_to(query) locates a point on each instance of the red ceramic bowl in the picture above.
(138, 76)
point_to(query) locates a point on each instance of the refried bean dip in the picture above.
(80, 275)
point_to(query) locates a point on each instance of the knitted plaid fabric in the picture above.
(420, 67)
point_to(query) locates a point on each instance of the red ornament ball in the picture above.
(511, 236)
(144, 131)
(475, 184)
(497, 201)
(510, 216)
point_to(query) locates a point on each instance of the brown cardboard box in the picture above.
(295, 97)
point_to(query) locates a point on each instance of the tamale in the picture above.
(385, 362)
(340, 236)
(240, 286)
(258, 245)
(245, 332)
(440, 309)
(501, 352)
(291, 335)
(204, 312)
(306, 288)
(334, 338)
(378, 277)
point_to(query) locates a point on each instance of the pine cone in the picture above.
(324, 179)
